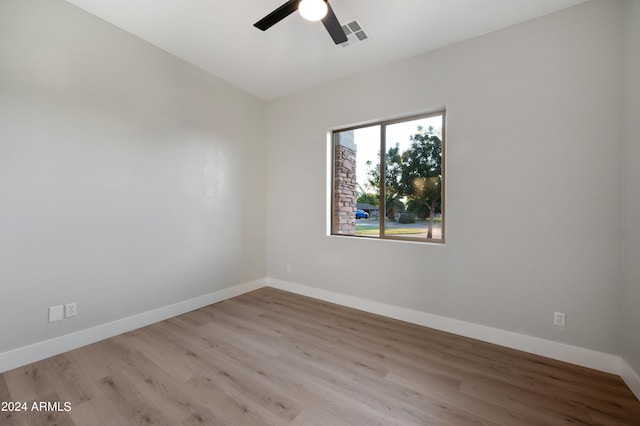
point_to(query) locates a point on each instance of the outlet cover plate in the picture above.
(70, 310)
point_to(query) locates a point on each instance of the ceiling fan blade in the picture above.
(277, 15)
(332, 25)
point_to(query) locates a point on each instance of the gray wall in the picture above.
(129, 180)
(534, 194)
(631, 235)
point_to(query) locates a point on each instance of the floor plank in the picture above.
(275, 358)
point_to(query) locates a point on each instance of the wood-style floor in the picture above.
(273, 358)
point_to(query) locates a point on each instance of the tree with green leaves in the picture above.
(420, 176)
(367, 197)
(393, 171)
(414, 175)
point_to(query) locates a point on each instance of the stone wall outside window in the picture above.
(344, 191)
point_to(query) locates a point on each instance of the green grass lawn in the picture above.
(374, 230)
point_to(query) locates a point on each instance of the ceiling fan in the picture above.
(312, 10)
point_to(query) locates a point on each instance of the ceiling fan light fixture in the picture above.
(313, 10)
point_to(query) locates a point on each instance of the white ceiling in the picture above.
(294, 55)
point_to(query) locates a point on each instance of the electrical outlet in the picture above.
(289, 267)
(55, 313)
(70, 310)
(559, 319)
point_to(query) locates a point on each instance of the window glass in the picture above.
(408, 203)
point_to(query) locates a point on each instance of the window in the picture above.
(408, 203)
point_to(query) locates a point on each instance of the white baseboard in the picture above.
(585, 357)
(41, 350)
(630, 377)
(575, 355)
